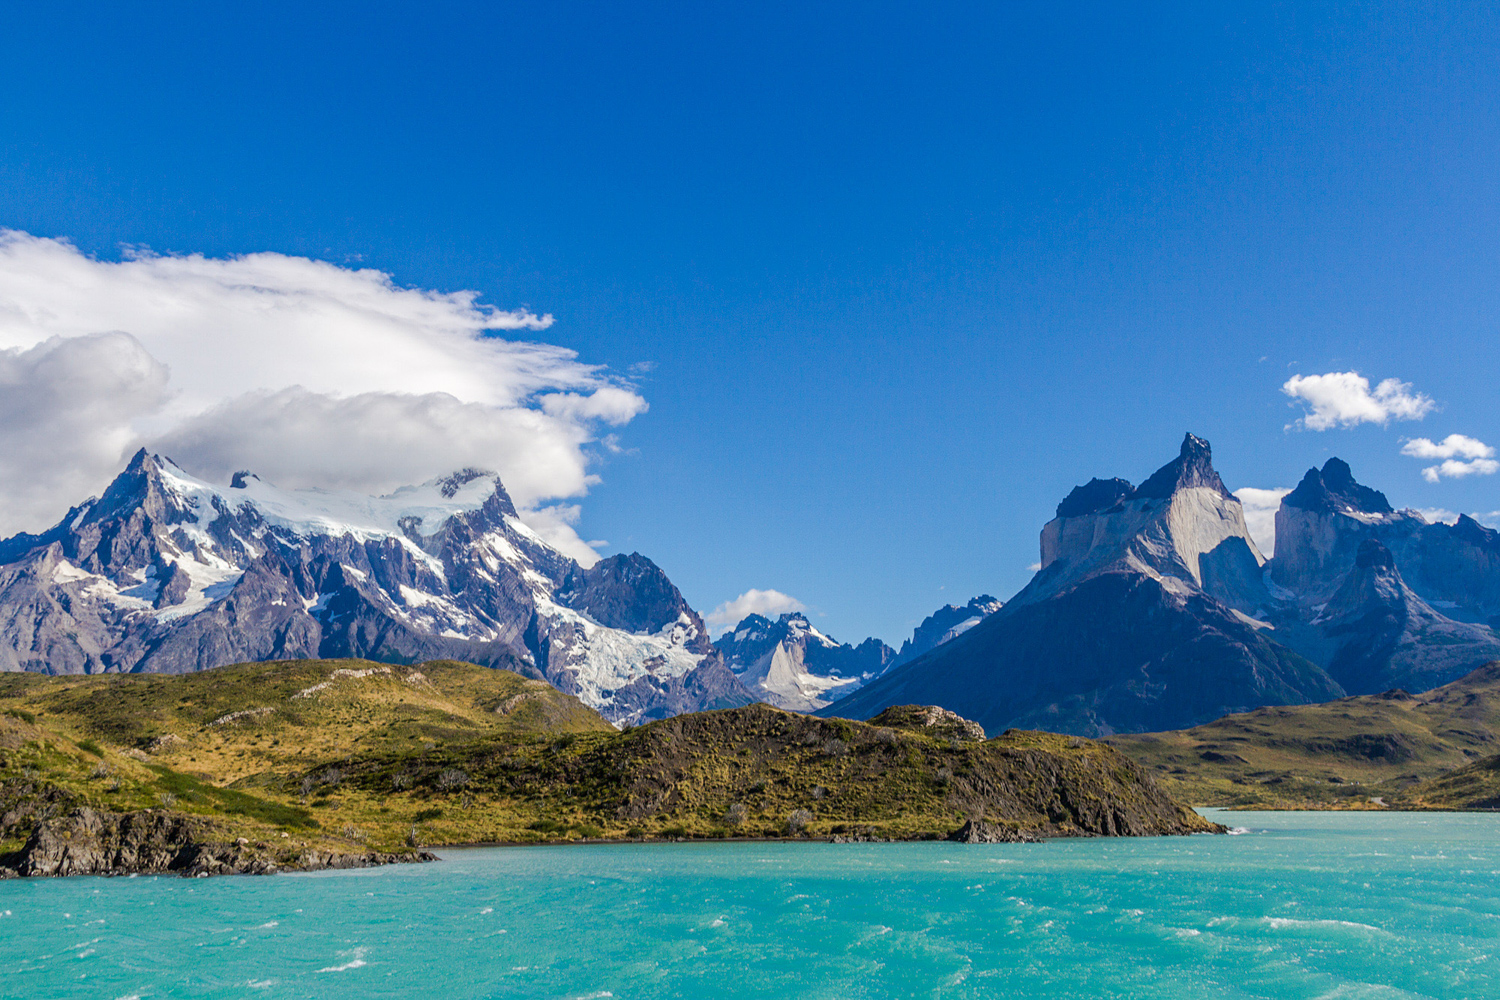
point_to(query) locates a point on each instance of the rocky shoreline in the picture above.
(87, 841)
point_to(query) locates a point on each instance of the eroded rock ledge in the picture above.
(87, 841)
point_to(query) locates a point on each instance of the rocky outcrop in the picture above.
(87, 841)
(931, 720)
(1149, 612)
(166, 573)
(790, 664)
(978, 831)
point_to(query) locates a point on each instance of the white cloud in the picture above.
(1452, 446)
(1455, 469)
(1260, 508)
(1344, 399)
(752, 602)
(1463, 456)
(306, 372)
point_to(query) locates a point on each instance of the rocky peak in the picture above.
(1471, 531)
(1094, 496)
(1333, 490)
(1193, 466)
(627, 592)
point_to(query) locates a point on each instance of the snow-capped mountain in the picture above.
(167, 573)
(945, 624)
(792, 665)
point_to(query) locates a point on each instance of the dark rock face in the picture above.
(1094, 496)
(1118, 653)
(630, 593)
(167, 574)
(1192, 467)
(1333, 490)
(949, 622)
(790, 664)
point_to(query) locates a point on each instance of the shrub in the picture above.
(735, 814)
(22, 714)
(400, 781)
(835, 748)
(943, 775)
(89, 746)
(452, 779)
(819, 791)
(797, 821)
(427, 814)
(588, 831)
(886, 736)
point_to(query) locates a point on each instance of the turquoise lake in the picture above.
(1334, 905)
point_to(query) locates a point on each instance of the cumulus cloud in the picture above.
(304, 371)
(1462, 456)
(1260, 508)
(1344, 399)
(752, 602)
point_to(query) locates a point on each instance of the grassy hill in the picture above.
(303, 759)
(1342, 753)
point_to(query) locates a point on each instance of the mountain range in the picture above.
(1154, 609)
(165, 573)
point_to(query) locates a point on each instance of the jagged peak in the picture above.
(1094, 496)
(1192, 467)
(1333, 490)
(1470, 530)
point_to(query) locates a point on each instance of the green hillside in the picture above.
(349, 757)
(1350, 753)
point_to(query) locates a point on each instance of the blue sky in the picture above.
(902, 275)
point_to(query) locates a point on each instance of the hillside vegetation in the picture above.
(301, 760)
(1364, 752)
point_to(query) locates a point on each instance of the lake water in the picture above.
(1335, 905)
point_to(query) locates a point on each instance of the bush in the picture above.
(735, 814)
(797, 821)
(452, 779)
(835, 748)
(884, 735)
(89, 746)
(400, 781)
(427, 814)
(22, 714)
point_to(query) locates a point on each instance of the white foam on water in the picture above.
(356, 962)
(1290, 923)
